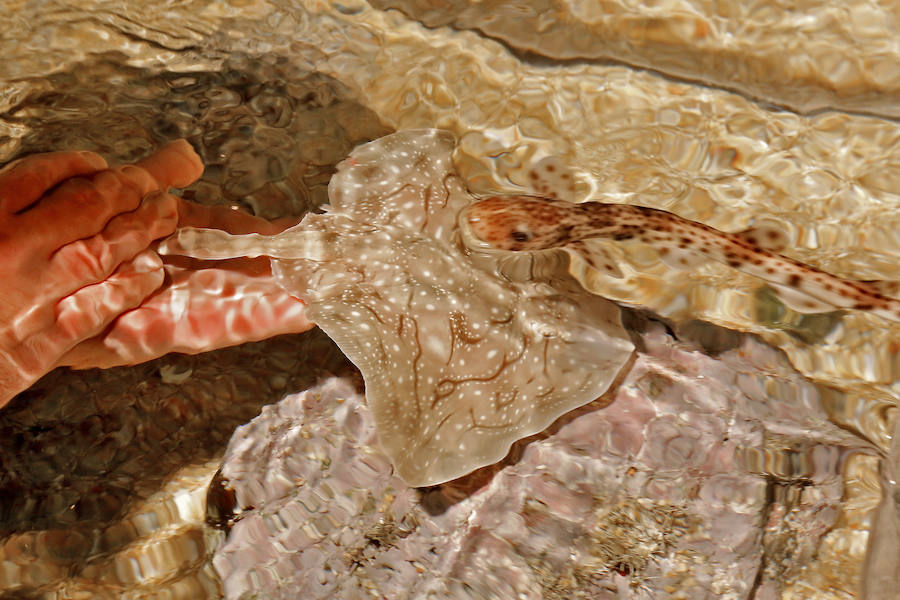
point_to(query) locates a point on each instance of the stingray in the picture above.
(462, 353)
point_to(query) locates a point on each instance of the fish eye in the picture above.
(520, 236)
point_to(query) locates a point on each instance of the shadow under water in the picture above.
(82, 453)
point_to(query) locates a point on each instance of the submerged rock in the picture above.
(702, 479)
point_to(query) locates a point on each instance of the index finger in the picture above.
(173, 165)
(229, 218)
(24, 181)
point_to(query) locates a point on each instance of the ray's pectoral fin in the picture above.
(799, 301)
(597, 255)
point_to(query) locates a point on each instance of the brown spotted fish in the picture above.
(529, 223)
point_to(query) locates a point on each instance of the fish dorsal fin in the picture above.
(891, 289)
(552, 178)
(769, 235)
(799, 301)
(680, 258)
(595, 254)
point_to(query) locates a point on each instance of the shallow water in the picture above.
(721, 116)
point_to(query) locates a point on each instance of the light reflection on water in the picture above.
(273, 96)
(269, 131)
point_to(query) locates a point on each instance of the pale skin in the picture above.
(84, 287)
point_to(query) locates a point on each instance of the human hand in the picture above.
(203, 305)
(74, 238)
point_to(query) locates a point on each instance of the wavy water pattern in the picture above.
(724, 113)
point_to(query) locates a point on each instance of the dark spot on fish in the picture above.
(734, 263)
(863, 306)
(600, 223)
(551, 168)
(793, 280)
(565, 233)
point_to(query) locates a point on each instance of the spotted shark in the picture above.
(523, 223)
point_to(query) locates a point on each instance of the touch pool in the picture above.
(745, 449)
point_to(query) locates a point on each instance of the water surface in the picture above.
(722, 115)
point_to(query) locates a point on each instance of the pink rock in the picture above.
(675, 505)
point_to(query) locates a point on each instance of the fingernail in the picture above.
(130, 170)
(94, 159)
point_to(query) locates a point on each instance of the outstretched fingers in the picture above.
(93, 259)
(24, 181)
(82, 206)
(197, 311)
(90, 310)
(57, 328)
(74, 242)
(229, 218)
